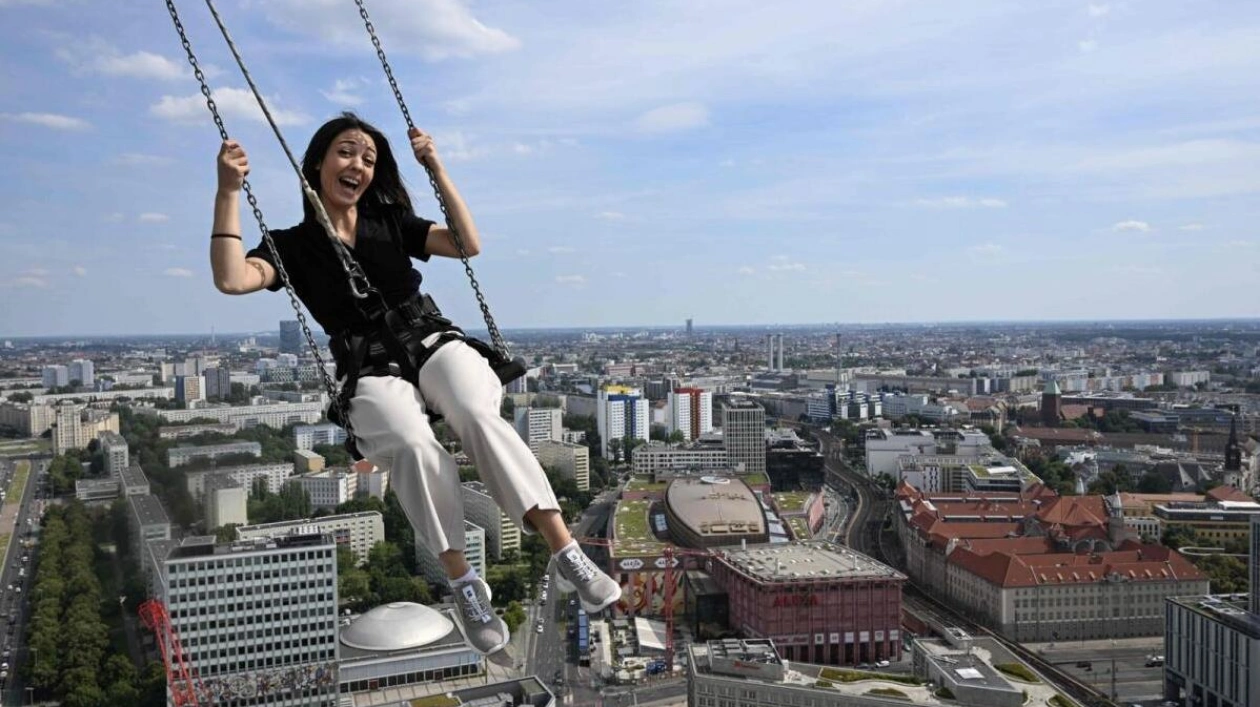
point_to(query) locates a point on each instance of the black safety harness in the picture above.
(393, 344)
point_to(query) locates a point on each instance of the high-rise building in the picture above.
(474, 551)
(357, 531)
(690, 412)
(744, 435)
(117, 454)
(267, 633)
(290, 336)
(56, 376)
(84, 371)
(189, 389)
(621, 412)
(502, 535)
(689, 329)
(536, 425)
(218, 382)
(573, 461)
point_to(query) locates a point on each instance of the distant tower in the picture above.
(689, 327)
(1233, 453)
(1051, 404)
(779, 366)
(770, 352)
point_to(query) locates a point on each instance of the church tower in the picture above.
(1051, 404)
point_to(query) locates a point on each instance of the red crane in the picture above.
(668, 553)
(180, 677)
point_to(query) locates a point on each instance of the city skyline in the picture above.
(807, 162)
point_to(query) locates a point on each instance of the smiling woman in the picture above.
(350, 262)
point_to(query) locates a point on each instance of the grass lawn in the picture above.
(1060, 701)
(18, 486)
(791, 501)
(1018, 671)
(435, 701)
(888, 692)
(846, 676)
(645, 483)
(631, 532)
(800, 529)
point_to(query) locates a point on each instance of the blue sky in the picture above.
(642, 162)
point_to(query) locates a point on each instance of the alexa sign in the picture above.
(632, 563)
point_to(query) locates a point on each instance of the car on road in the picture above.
(883, 664)
(1084, 665)
(1154, 661)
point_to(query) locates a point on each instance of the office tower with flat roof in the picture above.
(536, 425)
(218, 382)
(83, 371)
(55, 376)
(502, 535)
(690, 412)
(258, 618)
(744, 435)
(572, 461)
(621, 412)
(290, 336)
(474, 551)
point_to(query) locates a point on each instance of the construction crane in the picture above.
(181, 679)
(669, 553)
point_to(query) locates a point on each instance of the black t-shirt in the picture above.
(383, 248)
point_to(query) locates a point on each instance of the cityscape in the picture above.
(1004, 514)
(467, 353)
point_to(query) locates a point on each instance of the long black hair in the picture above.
(385, 195)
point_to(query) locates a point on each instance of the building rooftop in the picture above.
(134, 476)
(286, 542)
(632, 532)
(812, 560)
(220, 482)
(715, 506)
(284, 524)
(398, 626)
(148, 510)
(1229, 609)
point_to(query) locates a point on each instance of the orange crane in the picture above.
(669, 552)
(180, 677)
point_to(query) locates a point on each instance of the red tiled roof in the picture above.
(1075, 511)
(1143, 563)
(1228, 493)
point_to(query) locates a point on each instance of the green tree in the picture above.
(353, 585)
(514, 616)
(1153, 482)
(676, 437)
(335, 455)
(1177, 537)
(226, 533)
(22, 397)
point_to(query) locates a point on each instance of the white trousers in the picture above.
(393, 432)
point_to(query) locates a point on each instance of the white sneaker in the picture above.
(596, 590)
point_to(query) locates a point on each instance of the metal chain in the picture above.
(496, 338)
(329, 384)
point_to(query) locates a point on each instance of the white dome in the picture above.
(395, 627)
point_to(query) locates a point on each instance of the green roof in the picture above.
(790, 501)
(632, 531)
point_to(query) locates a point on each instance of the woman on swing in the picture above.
(351, 167)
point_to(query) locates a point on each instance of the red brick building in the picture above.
(819, 602)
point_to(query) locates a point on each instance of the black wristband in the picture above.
(224, 235)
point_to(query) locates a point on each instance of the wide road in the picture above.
(1134, 682)
(553, 651)
(22, 541)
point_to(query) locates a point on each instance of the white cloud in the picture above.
(1132, 225)
(48, 120)
(986, 249)
(1098, 10)
(574, 280)
(961, 202)
(79, 270)
(137, 159)
(1087, 45)
(342, 92)
(232, 103)
(673, 118)
(436, 29)
(782, 263)
(153, 217)
(610, 216)
(558, 249)
(460, 147)
(1191, 227)
(28, 281)
(178, 272)
(141, 65)
(745, 270)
